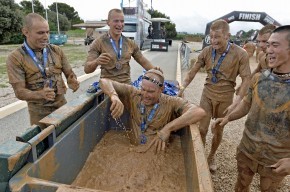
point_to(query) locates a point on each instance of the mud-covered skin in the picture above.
(21, 69)
(267, 131)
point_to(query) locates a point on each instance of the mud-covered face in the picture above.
(37, 35)
(150, 92)
(279, 52)
(262, 41)
(116, 23)
(219, 39)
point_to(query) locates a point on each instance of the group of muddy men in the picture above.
(35, 72)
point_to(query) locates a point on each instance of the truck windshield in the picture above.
(130, 27)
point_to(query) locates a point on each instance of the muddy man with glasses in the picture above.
(151, 111)
(223, 62)
(113, 52)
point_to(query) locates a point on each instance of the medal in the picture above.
(118, 66)
(143, 139)
(214, 79)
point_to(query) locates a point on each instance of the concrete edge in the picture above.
(18, 105)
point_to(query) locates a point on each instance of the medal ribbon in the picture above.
(213, 55)
(37, 63)
(118, 53)
(145, 122)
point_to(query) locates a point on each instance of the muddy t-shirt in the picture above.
(266, 137)
(263, 62)
(235, 63)
(21, 68)
(129, 48)
(169, 108)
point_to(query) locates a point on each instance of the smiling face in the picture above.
(37, 34)
(150, 92)
(279, 52)
(262, 41)
(116, 23)
(219, 39)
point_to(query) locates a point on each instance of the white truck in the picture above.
(137, 21)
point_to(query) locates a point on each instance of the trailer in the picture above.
(136, 23)
(50, 160)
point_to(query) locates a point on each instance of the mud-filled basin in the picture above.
(93, 154)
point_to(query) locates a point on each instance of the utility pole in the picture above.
(46, 11)
(57, 18)
(32, 6)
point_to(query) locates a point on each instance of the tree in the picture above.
(64, 24)
(37, 6)
(170, 27)
(67, 11)
(10, 21)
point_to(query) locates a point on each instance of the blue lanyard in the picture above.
(118, 53)
(144, 123)
(213, 54)
(36, 61)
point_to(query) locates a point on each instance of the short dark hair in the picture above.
(29, 18)
(114, 10)
(284, 29)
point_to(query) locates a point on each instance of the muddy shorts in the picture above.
(214, 108)
(246, 170)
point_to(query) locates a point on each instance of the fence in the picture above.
(184, 53)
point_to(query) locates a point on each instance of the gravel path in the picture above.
(225, 177)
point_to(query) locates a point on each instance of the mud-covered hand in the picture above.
(219, 122)
(117, 106)
(47, 93)
(181, 92)
(282, 167)
(72, 82)
(158, 68)
(103, 59)
(159, 142)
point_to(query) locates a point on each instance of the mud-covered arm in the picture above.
(96, 57)
(189, 77)
(117, 107)
(190, 114)
(22, 93)
(71, 77)
(141, 59)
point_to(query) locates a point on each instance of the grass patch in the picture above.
(76, 33)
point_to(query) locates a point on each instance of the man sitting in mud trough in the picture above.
(150, 110)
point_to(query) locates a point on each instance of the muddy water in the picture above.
(114, 165)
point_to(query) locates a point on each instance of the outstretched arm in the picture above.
(240, 111)
(190, 115)
(117, 106)
(189, 77)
